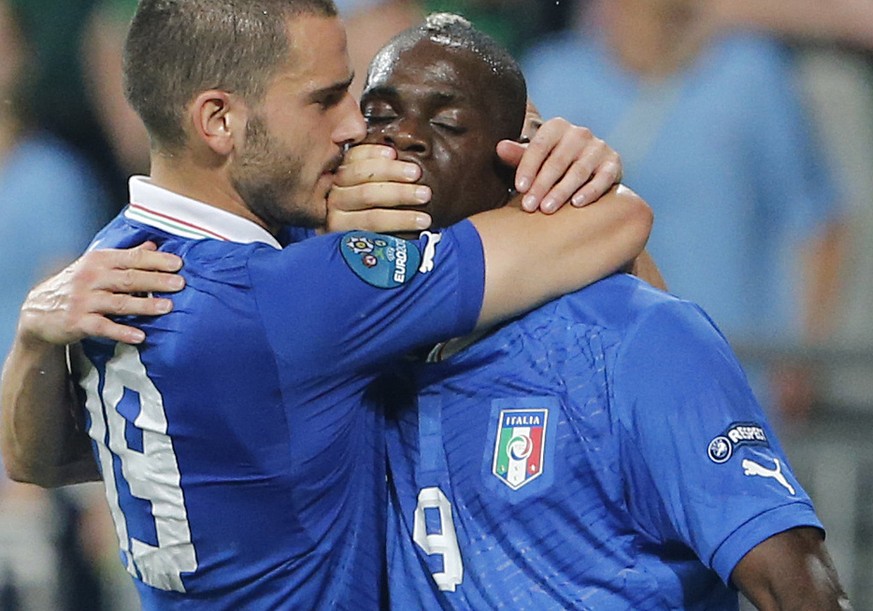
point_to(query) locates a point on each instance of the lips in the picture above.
(334, 165)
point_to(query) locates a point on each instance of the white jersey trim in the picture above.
(182, 216)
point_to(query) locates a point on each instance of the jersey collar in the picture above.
(182, 216)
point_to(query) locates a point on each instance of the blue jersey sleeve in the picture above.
(354, 301)
(703, 466)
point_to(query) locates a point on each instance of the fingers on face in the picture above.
(369, 151)
(377, 195)
(373, 170)
(379, 220)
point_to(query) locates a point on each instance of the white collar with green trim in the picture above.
(182, 216)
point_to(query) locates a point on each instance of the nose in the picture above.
(404, 134)
(351, 127)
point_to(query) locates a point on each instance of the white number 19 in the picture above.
(152, 475)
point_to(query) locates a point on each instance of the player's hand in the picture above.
(372, 188)
(76, 302)
(562, 163)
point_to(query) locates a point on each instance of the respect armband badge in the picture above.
(380, 260)
(722, 447)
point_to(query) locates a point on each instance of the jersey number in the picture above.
(444, 542)
(151, 474)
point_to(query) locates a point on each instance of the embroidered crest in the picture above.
(520, 446)
(380, 260)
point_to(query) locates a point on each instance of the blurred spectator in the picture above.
(713, 134)
(51, 204)
(50, 199)
(835, 51)
(839, 86)
(56, 96)
(103, 51)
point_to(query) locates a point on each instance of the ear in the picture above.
(219, 119)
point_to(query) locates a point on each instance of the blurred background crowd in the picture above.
(746, 124)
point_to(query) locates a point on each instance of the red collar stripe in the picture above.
(176, 225)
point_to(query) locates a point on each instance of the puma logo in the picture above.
(429, 250)
(752, 468)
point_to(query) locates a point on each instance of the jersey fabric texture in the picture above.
(243, 459)
(602, 452)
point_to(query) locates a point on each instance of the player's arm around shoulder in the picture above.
(791, 570)
(533, 258)
(40, 437)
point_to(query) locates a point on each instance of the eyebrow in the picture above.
(336, 88)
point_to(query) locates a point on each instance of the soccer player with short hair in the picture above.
(601, 452)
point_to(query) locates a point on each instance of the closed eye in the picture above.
(379, 118)
(451, 128)
(378, 112)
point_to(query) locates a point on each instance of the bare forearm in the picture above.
(533, 258)
(39, 439)
(791, 571)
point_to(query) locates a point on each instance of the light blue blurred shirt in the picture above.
(723, 153)
(51, 204)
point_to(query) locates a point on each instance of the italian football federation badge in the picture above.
(520, 446)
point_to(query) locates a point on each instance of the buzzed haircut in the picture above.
(176, 49)
(508, 98)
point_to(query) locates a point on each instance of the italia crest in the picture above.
(520, 446)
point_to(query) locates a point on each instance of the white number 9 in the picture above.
(444, 543)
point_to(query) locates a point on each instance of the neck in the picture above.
(207, 184)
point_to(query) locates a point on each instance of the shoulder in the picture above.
(617, 314)
(619, 302)
(379, 260)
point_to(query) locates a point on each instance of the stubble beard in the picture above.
(269, 180)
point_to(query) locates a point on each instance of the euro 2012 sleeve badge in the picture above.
(380, 260)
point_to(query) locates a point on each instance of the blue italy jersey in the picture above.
(603, 452)
(244, 462)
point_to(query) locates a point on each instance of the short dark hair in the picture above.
(509, 98)
(177, 48)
